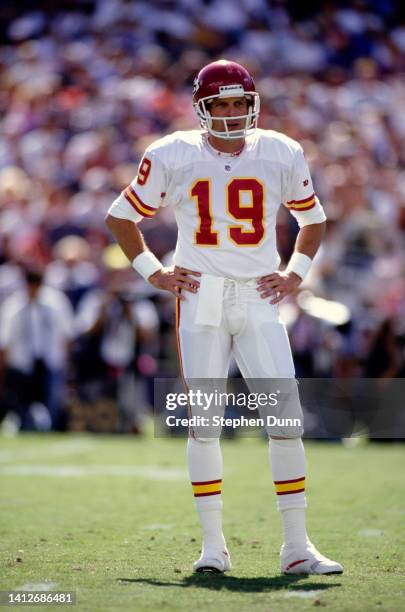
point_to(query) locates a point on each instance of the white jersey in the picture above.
(225, 205)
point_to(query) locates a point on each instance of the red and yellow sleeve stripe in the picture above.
(210, 487)
(286, 487)
(302, 205)
(136, 202)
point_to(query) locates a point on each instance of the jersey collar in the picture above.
(221, 154)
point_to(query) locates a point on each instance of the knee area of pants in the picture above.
(206, 441)
(280, 434)
(287, 442)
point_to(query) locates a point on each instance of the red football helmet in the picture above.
(223, 79)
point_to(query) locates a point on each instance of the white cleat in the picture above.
(307, 561)
(213, 562)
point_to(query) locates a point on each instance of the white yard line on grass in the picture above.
(371, 533)
(71, 446)
(148, 472)
(37, 586)
(65, 447)
(6, 456)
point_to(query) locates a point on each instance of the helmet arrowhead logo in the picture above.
(196, 85)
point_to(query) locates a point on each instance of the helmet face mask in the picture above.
(222, 80)
(206, 119)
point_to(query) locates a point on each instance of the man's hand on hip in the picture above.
(175, 280)
(278, 285)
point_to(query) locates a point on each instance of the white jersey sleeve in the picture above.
(301, 200)
(145, 194)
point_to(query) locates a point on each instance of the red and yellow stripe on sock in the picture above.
(209, 487)
(287, 487)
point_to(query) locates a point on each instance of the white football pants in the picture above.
(252, 332)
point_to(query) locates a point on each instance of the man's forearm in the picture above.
(173, 279)
(309, 238)
(128, 236)
(132, 243)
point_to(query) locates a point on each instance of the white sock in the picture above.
(205, 469)
(288, 466)
(295, 533)
(211, 524)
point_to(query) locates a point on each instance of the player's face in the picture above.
(229, 108)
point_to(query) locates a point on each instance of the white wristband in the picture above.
(299, 264)
(146, 264)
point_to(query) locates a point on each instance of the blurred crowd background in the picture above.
(85, 86)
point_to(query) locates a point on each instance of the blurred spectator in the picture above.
(117, 339)
(385, 359)
(72, 270)
(36, 327)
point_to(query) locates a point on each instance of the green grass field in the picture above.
(113, 519)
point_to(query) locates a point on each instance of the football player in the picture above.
(226, 183)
